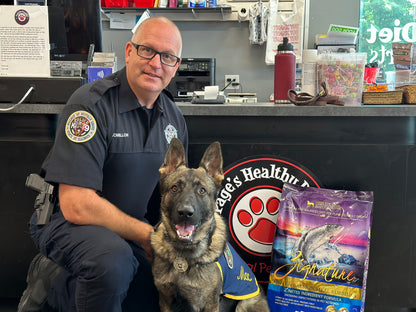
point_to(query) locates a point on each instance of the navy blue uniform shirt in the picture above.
(106, 141)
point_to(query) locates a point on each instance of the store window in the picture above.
(383, 22)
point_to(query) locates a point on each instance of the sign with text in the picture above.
(381, 26)
(24, 41)
(285, 23)
(249, 201)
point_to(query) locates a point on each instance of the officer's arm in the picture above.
(84, 206)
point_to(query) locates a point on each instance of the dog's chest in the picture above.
(189, 276)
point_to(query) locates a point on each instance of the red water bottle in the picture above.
(284, 71)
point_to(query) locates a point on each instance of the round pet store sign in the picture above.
(249, 201)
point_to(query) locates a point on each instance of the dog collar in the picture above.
(181, 265)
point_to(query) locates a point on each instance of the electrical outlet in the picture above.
(233, 82)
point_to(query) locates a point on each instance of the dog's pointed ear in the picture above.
(175, 157)
(212, 163)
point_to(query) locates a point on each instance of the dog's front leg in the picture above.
(212, 307)
(165, 306)
(165, 301)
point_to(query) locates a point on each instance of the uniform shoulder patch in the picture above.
(80, 127)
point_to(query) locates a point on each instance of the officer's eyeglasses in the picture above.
(149, 53)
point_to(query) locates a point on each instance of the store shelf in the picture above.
(223, 13)
(224, 9)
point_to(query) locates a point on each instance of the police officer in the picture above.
(111, 140)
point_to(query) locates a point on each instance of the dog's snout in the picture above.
(186, 211)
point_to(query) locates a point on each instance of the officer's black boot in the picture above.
(42, 272)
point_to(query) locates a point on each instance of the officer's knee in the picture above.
(114, 269)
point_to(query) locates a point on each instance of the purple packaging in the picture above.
(320, 251)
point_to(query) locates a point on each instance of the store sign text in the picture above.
(407, 33)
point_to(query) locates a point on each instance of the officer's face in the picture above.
(149, 77)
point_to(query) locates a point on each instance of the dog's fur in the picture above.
(191, 230)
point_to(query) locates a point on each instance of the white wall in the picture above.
(228, 43)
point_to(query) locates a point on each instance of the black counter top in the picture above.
(270, 109)
(31, 109)
(252, 109)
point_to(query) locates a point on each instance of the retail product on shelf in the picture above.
(343, 74)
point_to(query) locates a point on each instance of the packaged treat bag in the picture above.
(320, 251)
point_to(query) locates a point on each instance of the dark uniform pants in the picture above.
(102, 272)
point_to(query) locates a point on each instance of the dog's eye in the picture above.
(202, 191)
(174, 188)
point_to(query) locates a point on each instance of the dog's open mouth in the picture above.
(185, 231)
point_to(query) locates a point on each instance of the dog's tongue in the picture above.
(185, 229)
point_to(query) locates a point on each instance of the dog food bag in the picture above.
(320, 251)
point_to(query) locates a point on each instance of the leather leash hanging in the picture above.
(321, 99)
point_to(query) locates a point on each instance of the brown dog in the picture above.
(190, 241)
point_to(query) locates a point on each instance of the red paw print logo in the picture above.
(253, 220)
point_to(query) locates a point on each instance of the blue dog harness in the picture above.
(239, 281)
